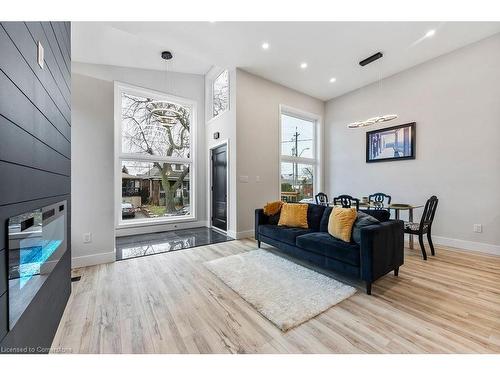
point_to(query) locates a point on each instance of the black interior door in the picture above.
(219, 187)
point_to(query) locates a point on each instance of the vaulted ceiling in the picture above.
(330, 49)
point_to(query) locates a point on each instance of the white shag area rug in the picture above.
(284, 292)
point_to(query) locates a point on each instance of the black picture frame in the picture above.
(371, 134)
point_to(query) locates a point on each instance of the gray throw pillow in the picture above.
(363, 220)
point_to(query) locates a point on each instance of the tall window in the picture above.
(298, 158)
(155, 156)
(220, 94)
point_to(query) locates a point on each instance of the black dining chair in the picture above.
(425, 225)
(378, 200)
(321, 199)
(346, 201)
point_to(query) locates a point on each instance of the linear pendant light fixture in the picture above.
(371, 121)
(376, 119)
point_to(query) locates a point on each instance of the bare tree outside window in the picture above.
(220, 98)
(154, 188)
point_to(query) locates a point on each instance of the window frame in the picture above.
(119, 155)
(212, 90)
(316, 160)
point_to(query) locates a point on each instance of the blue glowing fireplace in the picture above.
(37, 241)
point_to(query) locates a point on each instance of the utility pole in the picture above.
(295, 153)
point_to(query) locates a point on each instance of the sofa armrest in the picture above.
(260, 219)
(381, 249)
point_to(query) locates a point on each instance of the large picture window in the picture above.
(298, 168)
(155, 158)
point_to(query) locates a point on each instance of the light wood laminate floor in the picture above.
(170, 303)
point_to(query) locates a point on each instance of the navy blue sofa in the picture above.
(380, 250)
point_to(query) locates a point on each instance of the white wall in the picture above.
(92, 170)
(258, 150)
(93, 156)
(455, 101)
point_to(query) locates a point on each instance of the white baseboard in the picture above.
(92, 260)
(242, 234)
(466, 245)
(130, 231)
(218, 230)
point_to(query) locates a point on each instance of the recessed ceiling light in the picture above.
(303, 65)
(430, 33)
(333, 79)
(265, 45)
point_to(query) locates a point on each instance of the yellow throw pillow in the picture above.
(293, 215)
(272, 208)
(341, 222)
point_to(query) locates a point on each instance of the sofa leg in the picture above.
(396, 271)
(368, 288)
(258, 244)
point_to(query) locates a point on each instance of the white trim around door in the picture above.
(222, 142)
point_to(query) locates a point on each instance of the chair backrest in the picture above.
(429, 212)
(322, 199)
(378, 200)
(346, 201)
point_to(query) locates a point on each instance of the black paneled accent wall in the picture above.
(35, 161)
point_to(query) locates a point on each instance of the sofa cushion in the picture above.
(380, 215)
(363, 220)
(314, 215)
(341, 222)
(323, 244)
(323, 227)
(272, 208)
(294, 215)
(283, 234)
(274, 219)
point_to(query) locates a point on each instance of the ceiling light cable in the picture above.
(376, 119)
(161, 110)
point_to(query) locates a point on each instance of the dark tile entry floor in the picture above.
(154, 243)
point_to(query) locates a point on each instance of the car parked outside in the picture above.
(128, 211)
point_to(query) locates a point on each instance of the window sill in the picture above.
(153, 222)
(218, 116)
